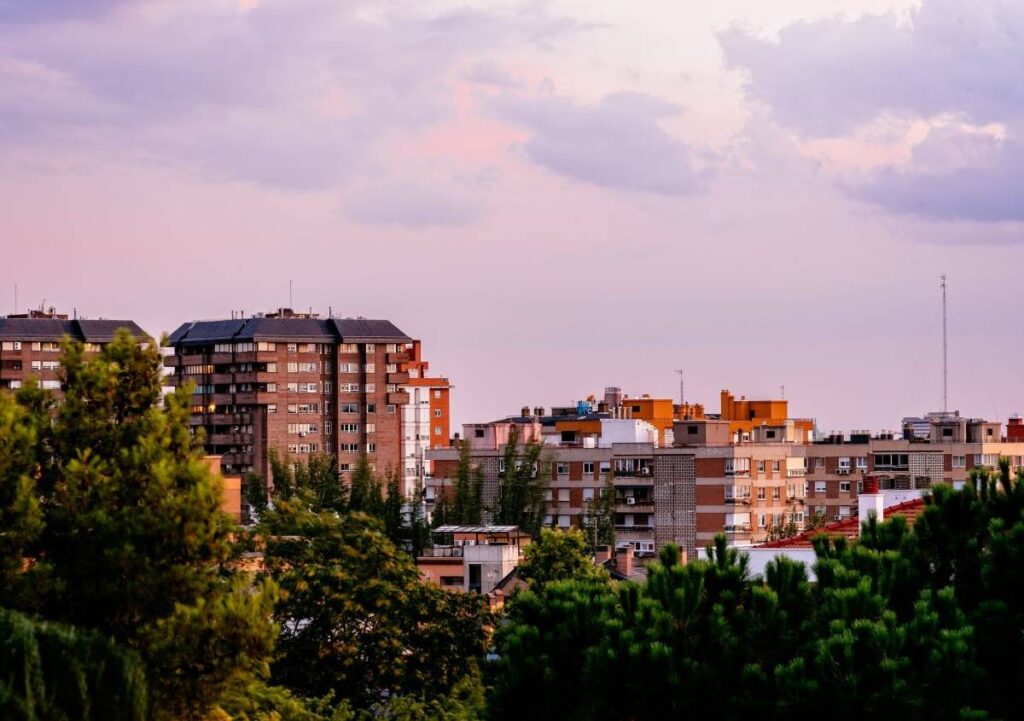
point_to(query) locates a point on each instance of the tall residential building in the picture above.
(746, 415)
(295, 384)
(426, 419)
(30, 344)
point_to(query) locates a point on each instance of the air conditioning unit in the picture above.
(843, 471)
(645, 471)
(630, 501)
(303, 434)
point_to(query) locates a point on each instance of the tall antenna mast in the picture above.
(945, 367)
(682, 389)
(290, 305)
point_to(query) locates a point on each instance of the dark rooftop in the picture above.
(54, 329)
(304, 329)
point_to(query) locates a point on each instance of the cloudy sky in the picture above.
(554, 195)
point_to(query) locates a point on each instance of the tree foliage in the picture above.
(521, 496)
(119, 529)
(357, 624)
(559, 555)
(922, 623)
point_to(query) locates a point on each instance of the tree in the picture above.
(394, 524)
(356, 621)
(467, 502)
(599, 519)
(559, 556)
(130, 541)
(53, 671)
(364, 489)
(521, 500)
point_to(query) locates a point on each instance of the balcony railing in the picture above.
(442, 552)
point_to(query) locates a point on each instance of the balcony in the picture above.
(398, 398)
(220, 379)
(222, 399)
(170, 361)
(633, 503)
(400, 357)
(734, 501)
(634, 527)
(398, 378)
(244, 377)
(228, 439)
(245, 399)
(191, 359)
(442, 552)
(737, 529)
(221, 358)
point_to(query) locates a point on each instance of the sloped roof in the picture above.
(366, 330)
(848, 527)
(312, 330)
(54, 329)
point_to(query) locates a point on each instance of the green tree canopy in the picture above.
(123, 533)
(559, 555)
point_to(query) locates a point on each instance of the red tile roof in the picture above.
(848, 527)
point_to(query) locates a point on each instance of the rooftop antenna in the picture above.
(290, 294)
(15, 297)
(945, 367)
(682, 389)
(782, 390)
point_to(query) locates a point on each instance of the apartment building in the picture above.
(938, 448)
(426, 418)
(703, 482)
(745, 415)
(30, 344)
(296, 384)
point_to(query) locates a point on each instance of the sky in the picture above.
(554, 196)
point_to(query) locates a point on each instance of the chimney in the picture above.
(525, 411)
(682, 556)
(624, 561)
(871, 502)
(538, 411)
(602, 554)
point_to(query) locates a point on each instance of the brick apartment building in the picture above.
(30, 344)
(297, 384)
(940, 448)
(679, 479)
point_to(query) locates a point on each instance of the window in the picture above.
(761, 520)
(348, 367)
(844, 486)
(293, 348)
(563, 469)
(348, 428)
(959, 461)
(478, 432)
(370, 368)
(371, 447)
(760, 467)
(776, 466)
(265, 346)
(371, 427)
(437, 430)
(50, 385)
(563, 521)
(891, 460)
(371, 407)
(11, 345)
(760, 494)
(563, 495)
(776, 493)
(349, 408)
(328, 427)
(819, 487)
(272, 408)
(844, 511)
(371, 348)
(588, 494)
(222, 348)
(348, 387)
(844, 463)
(862, 463)
(391, 347)
(390, 408)
(437, 413)
(348, 348)
(348, 447)
(293, 367)
(437, 394)
(292, 408)
(302, 428)
(292, 387)
(328, 386)
(588, 469)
